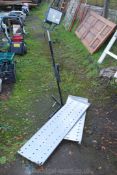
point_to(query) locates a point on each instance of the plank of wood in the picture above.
(7, 3)
(19, 2)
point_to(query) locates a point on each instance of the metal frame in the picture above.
(107, 49)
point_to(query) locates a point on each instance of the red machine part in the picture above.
(17, 38)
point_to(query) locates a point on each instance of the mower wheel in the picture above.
(12, 77)
(25, 49)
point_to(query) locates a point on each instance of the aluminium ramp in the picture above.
(76, 133)
(44, 142)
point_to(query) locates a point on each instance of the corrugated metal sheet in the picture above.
(94, 30)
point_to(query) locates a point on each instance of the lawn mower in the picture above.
(18, 13)
(13, 27)
(7, 68)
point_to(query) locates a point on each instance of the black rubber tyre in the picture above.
(12, 75)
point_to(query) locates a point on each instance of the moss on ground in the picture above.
(23, 112)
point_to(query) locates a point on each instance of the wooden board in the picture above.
(14, 2)
(94, 30)
(71, 10)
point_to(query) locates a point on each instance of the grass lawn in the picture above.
(27, 107)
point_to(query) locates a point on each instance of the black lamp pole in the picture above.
(55, 68)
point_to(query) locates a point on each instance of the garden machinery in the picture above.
(18, 13)
(7, 68)
(13, 27)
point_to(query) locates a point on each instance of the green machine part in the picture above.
(6, 56)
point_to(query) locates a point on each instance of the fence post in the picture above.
(106, 8)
